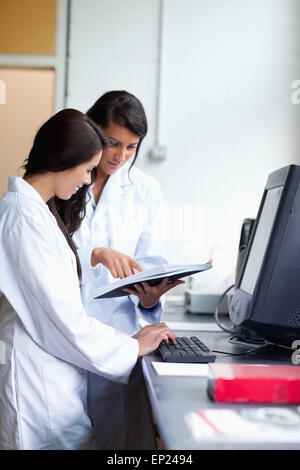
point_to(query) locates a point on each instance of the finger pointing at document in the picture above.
(119, 264)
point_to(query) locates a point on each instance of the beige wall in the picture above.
(29, 103)
(27, 26)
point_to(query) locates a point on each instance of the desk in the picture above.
(172, 397)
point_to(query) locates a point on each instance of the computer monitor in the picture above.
(266, 300)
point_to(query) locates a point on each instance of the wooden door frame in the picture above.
(58, 61)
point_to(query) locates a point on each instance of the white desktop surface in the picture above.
(174, 397)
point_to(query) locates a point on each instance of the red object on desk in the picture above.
(245, 383)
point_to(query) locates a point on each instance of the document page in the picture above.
(252, 424)
(153, 276)
(180, 369)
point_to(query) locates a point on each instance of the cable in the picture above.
(243, 353)
(233, 330)
(216, 315)
(230, 330)
(258, 348)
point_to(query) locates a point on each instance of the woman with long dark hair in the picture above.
(122, 223)
(50, 341)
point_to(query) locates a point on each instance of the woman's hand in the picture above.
(150, 295)
(151, 336)
(120, 265)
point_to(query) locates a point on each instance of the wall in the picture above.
(29, 103)
(27, 26)
(33, 37)
(228, 118)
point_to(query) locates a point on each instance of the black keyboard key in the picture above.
(186, 350)
(199, 343)
(164, 348)
(188, 342)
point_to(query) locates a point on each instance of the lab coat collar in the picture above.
(120, 178)
(116, 184)
(122, 175)
(18, 184)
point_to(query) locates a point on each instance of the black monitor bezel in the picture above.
(252, 305)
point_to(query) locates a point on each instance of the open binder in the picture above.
(152, 276)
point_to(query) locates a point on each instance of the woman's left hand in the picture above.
(150, 295)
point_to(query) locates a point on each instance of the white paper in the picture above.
(164, 270)
(257, 424)
(185, 326)
(189, 326)
(181, 369)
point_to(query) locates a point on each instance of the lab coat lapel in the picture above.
(89, 211)
(110, 212)
(112, 190)
(19, 185)
(116, 186)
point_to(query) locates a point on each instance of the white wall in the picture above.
(228, 118)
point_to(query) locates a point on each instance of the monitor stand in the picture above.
(244, 336)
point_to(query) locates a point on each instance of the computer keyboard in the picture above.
(186, 350)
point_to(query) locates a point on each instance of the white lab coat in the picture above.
(50, 340)
(129, 217)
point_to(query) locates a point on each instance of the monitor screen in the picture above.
(266, 300)
(260, 241)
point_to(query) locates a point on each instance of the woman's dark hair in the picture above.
(123, 109)
(66, 140)
(119, 107)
